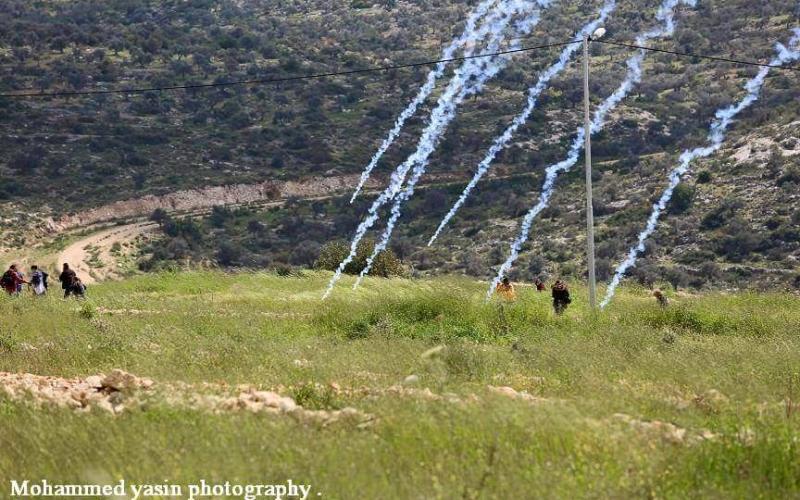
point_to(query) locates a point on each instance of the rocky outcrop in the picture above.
(120, 391)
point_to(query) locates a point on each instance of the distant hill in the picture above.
(735, 224)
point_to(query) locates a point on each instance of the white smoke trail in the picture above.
(533, 99)
(723, 119)
(461, 86)
(490, 68)
(666, 15)
(470, 34)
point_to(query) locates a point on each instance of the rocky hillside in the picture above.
(735, 221)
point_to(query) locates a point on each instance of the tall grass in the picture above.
(267, 330)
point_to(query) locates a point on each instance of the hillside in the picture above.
(737, 226)
(402, 389)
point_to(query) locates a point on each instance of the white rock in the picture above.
(95, 381)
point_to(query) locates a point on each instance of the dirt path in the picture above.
(92, 256)
(95, 258)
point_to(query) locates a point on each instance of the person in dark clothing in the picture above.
(539, 285)
(12, 280)
(78, 289)
(560, 297)
(66, 278)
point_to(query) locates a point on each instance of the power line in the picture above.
(699, 56)
(260, 81)
(376, 69)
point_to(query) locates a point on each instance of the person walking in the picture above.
(78, 288)
(12, 280)
(662, 299)
(561, 297)
(66, 278)
(506, 290)
(540, 286)
(38, 281)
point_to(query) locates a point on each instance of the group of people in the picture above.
(559, 291)
(13, 282)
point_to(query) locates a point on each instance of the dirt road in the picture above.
(95, 258)
(92, 256)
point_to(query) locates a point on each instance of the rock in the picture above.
(509, 392)
(504, 391)
(119, 380)
(411, 380)
(95, 381)
(105, 406)
(287, 405)
(618, 205)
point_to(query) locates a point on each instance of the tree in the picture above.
(682, 199)
(229, 254)
(159, 216)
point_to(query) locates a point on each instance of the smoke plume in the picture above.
(467, 80)
(723, 119)
(534, 93)
(490, 68)
(634, 75)
(470, 34)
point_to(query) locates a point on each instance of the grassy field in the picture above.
(693, 401)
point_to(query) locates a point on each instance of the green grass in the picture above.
(634, 358)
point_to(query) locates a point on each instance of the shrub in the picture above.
(704, 177)
(681, 199)
(386, 263)
(790, 176)
(739, 241)
(229, 254)
(312, 397)
(159, 216)
(720, 215)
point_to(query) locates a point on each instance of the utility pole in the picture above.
(589, 203)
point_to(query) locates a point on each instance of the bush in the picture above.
(229, 254)
(386, 264)
(704, 177)
(790, 176)
(159, 216)
(681, 199)
(739, 241)
(720, 215)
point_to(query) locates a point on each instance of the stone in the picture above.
(95, 381)
(119, 380)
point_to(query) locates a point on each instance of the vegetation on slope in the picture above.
(719, 366)
(63, 153)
